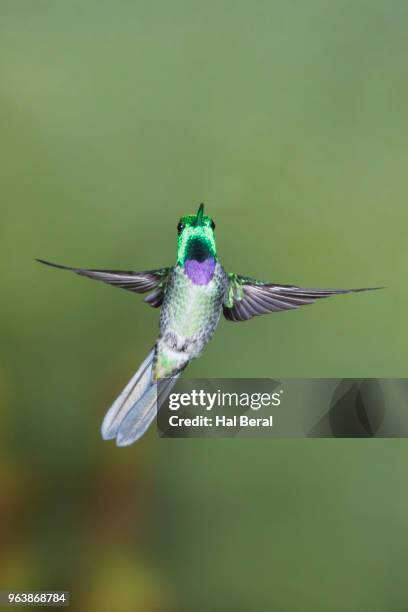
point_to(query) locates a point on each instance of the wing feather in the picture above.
(138, 282)
(248, 297)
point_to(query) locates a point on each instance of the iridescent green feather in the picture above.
(195, 227)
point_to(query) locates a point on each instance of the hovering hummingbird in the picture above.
(192, 294)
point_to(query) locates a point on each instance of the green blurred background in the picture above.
(289, 120)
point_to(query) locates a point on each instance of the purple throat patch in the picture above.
(200, 272)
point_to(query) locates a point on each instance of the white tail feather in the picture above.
(135, 408)
(136, 387)
(142, 413)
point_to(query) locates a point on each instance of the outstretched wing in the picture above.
(139, 282)
(247, 297)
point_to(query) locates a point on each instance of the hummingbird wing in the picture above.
(139, 282)
(247, 297)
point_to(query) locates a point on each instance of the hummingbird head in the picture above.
(196, 240)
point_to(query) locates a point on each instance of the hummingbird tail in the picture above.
(133, 391)
(133, 411)
(141, 415)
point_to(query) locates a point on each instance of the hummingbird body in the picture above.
(189, 316)
(192, 295)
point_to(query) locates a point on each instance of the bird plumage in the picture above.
(192, 295)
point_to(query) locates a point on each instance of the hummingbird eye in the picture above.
(212, 225)
(180, 227)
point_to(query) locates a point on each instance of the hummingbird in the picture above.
(192, 296)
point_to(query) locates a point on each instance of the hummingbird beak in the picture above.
(200, 214)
